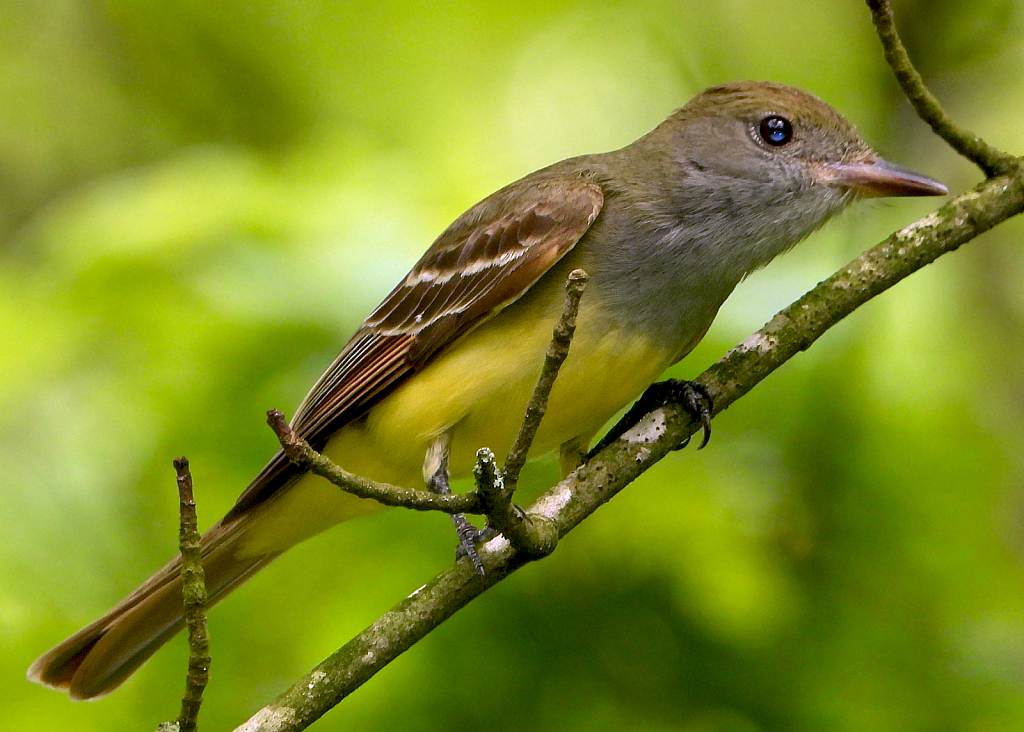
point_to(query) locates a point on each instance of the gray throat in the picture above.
(667, 251)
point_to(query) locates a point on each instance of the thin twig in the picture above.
(300, 453)
(531, 535)
(991, 161)
(558, 349)
(193, 587)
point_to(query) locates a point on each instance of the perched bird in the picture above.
(666, 227)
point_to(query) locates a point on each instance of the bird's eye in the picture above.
(775, 130)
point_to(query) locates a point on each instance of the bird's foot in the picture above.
(469, 535)
(470, 540)
(690, 394)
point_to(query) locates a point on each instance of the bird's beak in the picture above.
(875, 177)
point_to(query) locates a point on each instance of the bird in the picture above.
(666, 227)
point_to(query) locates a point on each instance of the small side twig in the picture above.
(531, 535)
(194, 596)
(558, 349)
(992, 161)
(302, 455)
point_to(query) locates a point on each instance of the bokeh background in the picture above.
(199, 201)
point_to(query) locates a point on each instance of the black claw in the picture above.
(468, 534)
(468, 541)
(698, 403)
(439, 480)
(691, 395)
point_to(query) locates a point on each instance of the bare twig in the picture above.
(558, 349)
(531, 535)
(991, 161)
(300, 453)
(194, 595)
(494, 496)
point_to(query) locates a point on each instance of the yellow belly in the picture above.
(477, 392)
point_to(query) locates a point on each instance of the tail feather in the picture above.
(98, 658)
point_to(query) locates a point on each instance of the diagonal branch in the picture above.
(791, 331)
(795, 328)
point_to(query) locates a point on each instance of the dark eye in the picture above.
(775, 130)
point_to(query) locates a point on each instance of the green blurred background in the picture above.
(199, 201)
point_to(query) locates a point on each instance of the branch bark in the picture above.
(300, 453)
(195, 598)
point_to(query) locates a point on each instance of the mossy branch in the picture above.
(193, 587)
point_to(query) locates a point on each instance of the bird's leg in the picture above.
(573, 453)
(691, 395)
(439, 482)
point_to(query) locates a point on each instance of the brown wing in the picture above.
(484, 261)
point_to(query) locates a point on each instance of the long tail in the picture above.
(98, 658)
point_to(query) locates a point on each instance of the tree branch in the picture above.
(796, 327)
(528, 533)
(558, 349)
(193, 587)
(493, 496)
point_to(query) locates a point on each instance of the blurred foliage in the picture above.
(199, 201)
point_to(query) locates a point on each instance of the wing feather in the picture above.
(484, 261)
